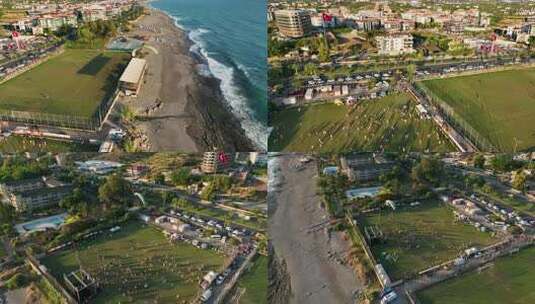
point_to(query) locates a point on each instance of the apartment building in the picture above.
(36, 193)
(393, 45)
(214, 162)
(293, 23)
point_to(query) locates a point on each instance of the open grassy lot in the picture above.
(72, 83)
(390, 123)
(137, 255)
(509, 280)
(422, 236)
(499, 105)
(255, 282)
(14, 144)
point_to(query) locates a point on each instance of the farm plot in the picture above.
(419, 237)
(508, 280)
(138, 264)
(390, 124)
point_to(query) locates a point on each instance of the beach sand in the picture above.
(177, 109)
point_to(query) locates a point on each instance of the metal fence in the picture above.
(454, 119)
(92, 122)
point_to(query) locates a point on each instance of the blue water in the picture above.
(232, 36)
(51, 222)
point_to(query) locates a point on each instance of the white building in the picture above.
(393, 45)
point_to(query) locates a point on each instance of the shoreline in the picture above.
(192, 106)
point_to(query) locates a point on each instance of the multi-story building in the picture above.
(395, 44)
(369, 24)
(214, 162)
(38, 198)
(367, 172)
(94, 12)
(356, 159)
(31, 194)
(293, 23)
(55, 21)
(364, 166)
(453, 27)
(21, 186)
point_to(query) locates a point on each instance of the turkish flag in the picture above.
(326, 17)
(223, 158)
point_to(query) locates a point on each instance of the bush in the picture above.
(17, 281)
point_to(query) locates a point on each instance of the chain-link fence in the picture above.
(454, 119)
(91, 122)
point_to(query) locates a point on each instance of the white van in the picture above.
(206, 295)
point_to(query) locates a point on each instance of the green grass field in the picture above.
(255, 283)
(390, 123)
(72, 83)
(509, 280)
(14, 144)
(500, 105)
(422, 236)
(137, 255)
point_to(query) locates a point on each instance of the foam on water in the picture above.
(255, 129)
(274, 178)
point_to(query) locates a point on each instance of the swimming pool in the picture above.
(51, 222)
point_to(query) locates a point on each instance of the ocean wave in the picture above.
(254, 129)
(198, 43)
(274, 180)
(204, 70)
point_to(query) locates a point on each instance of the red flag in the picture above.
(326, 17)
(223, 158)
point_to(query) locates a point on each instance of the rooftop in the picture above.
(134, 71)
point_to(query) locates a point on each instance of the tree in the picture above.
(531, 42)
(479, 161)
(159, 179)
(7, 213)
(411, 70)
(323, 51)
(311, 69)
(115, 191)
(504, 162)
(180, 203)
(519, 181)
(208, 193)
(429, 170)
(74, 203)
(181, 177)
(167, 197)
(222, 183)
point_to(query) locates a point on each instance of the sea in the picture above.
(231, 35)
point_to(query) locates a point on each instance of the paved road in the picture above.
(313, 256)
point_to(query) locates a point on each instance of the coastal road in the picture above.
(314, 257)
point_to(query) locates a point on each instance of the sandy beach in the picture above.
(308, 265)
(176, 108)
